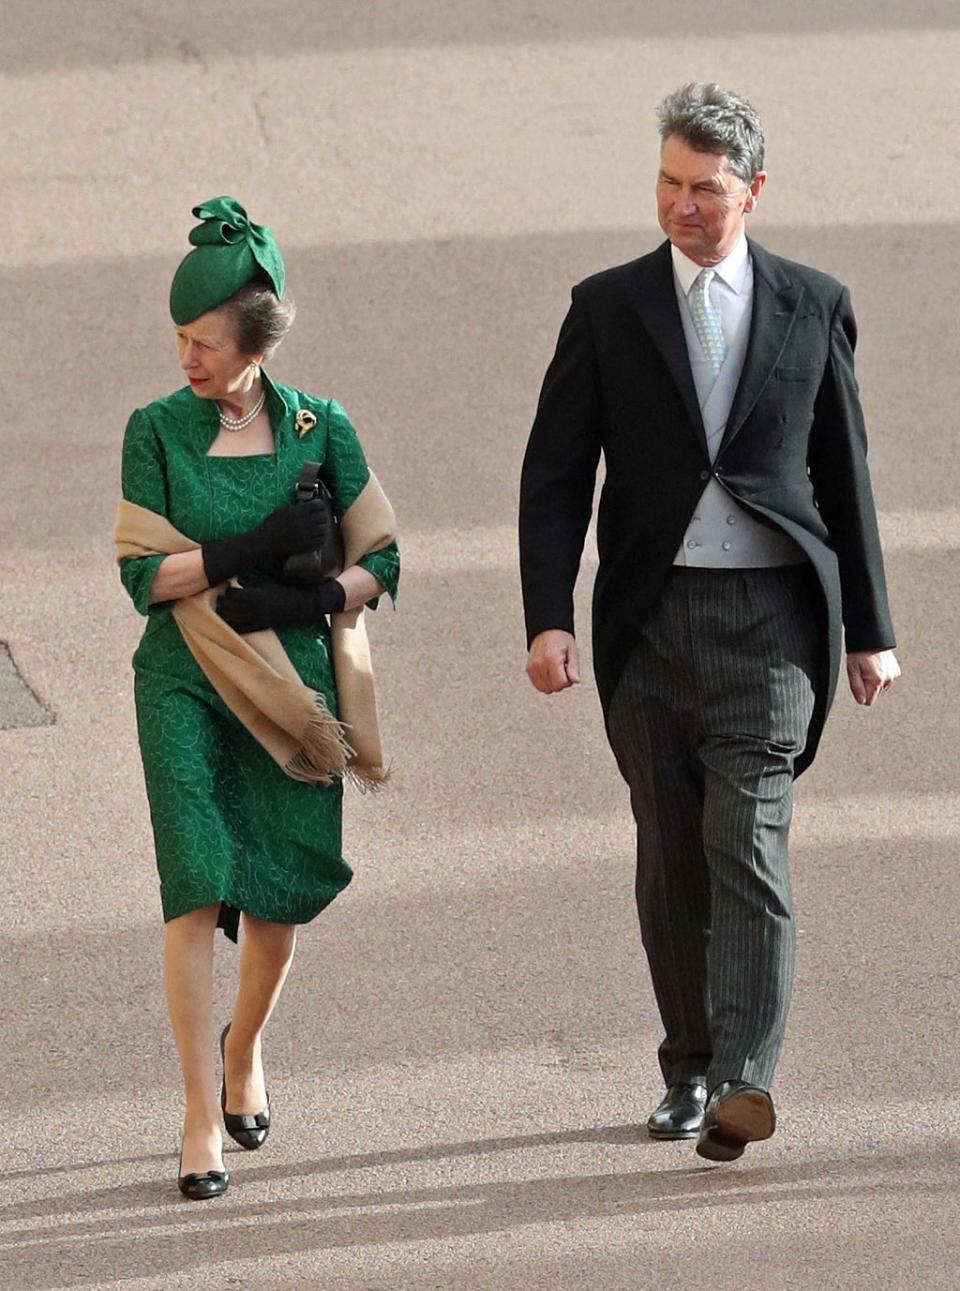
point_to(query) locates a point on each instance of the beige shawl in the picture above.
(253, 675)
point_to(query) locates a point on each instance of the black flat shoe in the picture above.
(680, 1115)
(737, 1114)
(249, 1131)
(202, 1186)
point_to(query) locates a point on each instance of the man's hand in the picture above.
(554, 661)
(871, 673)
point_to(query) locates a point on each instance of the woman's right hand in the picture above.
(290, 530)
(285, 532)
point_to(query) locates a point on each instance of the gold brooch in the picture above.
(305, 421)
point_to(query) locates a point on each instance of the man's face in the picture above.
(701, 203)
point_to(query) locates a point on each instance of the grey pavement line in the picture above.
(19, 706)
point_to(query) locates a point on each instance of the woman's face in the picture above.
(209, 356)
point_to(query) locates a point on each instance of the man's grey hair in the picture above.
(712, 119)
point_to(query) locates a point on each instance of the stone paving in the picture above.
(463, 1060)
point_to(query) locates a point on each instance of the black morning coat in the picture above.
(793, 454)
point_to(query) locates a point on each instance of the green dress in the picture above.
(229, 826)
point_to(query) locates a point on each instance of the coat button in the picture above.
(731, 519)
(691, 544)
(704, 475)
(726, 546)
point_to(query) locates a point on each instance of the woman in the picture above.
(239, 679)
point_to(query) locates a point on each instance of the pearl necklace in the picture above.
(238, 423)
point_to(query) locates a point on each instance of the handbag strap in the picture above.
(309, 483)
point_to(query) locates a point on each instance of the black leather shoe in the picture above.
(249, 1131)
(737, 1114)
(680, 1115)
(201, 1187)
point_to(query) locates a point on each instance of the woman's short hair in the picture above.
(711, 119)
(260, 318)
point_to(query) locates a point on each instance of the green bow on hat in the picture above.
(229, 251)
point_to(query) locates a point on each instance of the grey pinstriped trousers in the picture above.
(708, 716)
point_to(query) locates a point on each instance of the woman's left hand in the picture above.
(279, 605)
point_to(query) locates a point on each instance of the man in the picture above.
(736, 532)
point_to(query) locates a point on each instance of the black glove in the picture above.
(285, 532)
(278, 605)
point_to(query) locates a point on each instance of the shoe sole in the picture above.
(744, 1118)
(203, 1196)
(672, 1134)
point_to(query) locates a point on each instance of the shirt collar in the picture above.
(732, 269)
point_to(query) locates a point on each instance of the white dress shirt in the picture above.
(721, 534)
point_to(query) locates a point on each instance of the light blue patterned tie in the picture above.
(706, 320)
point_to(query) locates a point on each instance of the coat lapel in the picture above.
(655, 299)
(776, 298)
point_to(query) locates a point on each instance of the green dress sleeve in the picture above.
(347, 472)
(143, 481)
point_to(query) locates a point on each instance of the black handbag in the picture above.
(315, 566)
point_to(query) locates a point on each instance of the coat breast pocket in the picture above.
(784, 372)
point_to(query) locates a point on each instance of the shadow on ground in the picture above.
(454, 973)
(59, 1257)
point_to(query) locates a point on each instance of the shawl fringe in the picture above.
(324, 752)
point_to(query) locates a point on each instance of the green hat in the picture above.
(228, 253)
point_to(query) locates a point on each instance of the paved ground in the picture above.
(465, 1053)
